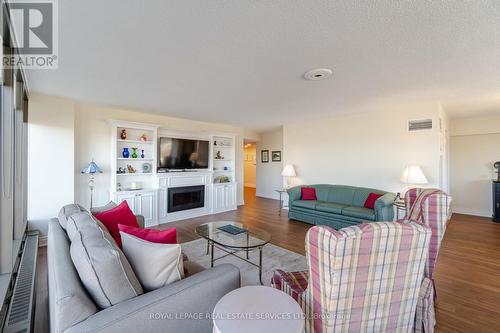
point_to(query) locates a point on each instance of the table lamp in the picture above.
(413, 175)
(288, 171)
(91, 169)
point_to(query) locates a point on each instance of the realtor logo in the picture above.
(34, 25)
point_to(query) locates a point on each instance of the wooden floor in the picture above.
(467, 274)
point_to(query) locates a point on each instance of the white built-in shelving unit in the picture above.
(223, 166)
(137, 188)
(149, 196)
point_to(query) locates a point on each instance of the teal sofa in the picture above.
(339, 206)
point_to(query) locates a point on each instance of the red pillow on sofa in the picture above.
(121, 214)
(308, 193)
(370, 201)
(167, 236)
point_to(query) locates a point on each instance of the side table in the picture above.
(400, 206)
(282, 203)
(259, 309)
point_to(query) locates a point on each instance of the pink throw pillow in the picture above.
(308, 193)
(121, 214)
(167, 236)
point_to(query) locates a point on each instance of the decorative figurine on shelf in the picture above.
(215, 143)
(224, 179)
(131, 169)
(125, 153)
(226, 168)
(123, 134)
(120, 171)
(142, 153)
(147, 167)
(218, 156)
(118, 186)
(134, 153)
(143, 138)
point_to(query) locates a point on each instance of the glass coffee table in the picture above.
(251, 239)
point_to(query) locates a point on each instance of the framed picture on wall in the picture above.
(276, 156)
(264, 156)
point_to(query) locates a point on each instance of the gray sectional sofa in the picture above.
(71, 308)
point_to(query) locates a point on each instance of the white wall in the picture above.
(475, 125)
(50, 157)
(269, 177)
(475, 146)
(249, 166)
(369, 149)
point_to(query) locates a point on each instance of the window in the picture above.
(13, 158)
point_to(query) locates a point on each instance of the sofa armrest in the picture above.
(140, 220)
(183, 306)
(384, 210)
(293, 194)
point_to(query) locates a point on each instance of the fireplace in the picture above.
(184, 198)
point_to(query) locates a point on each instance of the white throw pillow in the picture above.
(155, 264)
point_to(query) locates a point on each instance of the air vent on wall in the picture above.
(419, 125)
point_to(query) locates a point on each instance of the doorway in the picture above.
(249, 169)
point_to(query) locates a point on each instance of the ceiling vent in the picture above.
(419, 125)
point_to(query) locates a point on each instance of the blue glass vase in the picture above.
(125, 153)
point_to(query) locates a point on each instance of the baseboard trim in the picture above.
(474, 212)
(266, 196)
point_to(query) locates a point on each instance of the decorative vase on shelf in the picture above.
(142, 153)
(134, 153)
(123, 134)
(125, 153)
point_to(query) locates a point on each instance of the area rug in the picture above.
(273, 257)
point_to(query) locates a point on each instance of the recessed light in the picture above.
(318, 74)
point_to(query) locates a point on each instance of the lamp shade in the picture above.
(91, 168)
(288, 171)
(413, 175)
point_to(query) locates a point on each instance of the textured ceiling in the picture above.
(241, 62)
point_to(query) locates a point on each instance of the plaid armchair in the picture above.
(429, 207)
(363, 278)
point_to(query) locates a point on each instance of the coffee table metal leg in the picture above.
(260, 265)
(247, 247)
(208, 247)
(212, 254)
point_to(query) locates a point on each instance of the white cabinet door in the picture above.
(224, 197)
(130, 199)
(141, 204)
(219, 198)
(230, 193)
(146, 203)
(162, 203)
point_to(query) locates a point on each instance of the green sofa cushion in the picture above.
(309, 204)
(341, 194)
(322, 192)
(359, 212)
(330, 207)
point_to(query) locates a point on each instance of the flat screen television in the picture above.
(180, 154)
